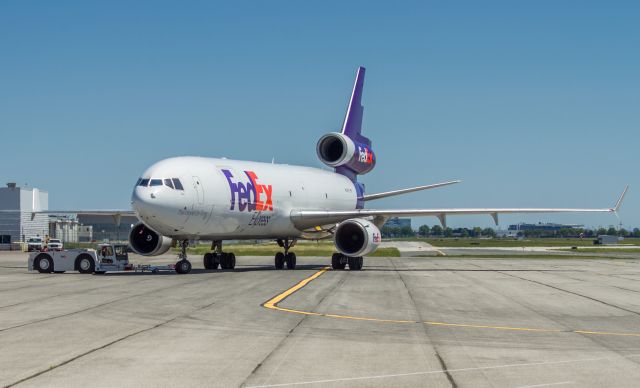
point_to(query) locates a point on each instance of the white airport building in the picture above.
(17, 220)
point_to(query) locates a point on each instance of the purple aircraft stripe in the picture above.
(353, 120)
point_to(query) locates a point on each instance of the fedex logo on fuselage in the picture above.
(365, 155)
(251, 195)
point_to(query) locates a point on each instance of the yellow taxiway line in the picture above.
(272, 304)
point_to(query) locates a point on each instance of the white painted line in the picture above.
(547, 385)
(439, 371)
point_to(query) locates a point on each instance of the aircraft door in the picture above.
(199, 190)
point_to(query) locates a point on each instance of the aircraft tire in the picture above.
(336, 262)
(226, 261)
(279, 260)
(43, 263)
(183, 267)
(355, 263)
(232, 260)
(290, 259)
(207, 260)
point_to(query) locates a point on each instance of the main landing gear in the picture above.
(340, 261)
(183, 265)
(217, 258)
(288, 258)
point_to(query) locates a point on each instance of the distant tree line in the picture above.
(404, 231)
(581, 232)
(439, 231)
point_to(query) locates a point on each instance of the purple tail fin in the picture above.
(352, 128)
(352, 125)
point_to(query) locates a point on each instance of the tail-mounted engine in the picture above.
(357, 237)
(147, 242)
(338, 150)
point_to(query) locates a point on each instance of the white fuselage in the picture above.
(231, 199)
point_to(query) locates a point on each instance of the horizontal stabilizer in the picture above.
(386, 194)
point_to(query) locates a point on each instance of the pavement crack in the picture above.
(289, 334)
(446, 370)
(54, 296)
(443, 364)
(573, 293)
(96, 306)
(72, 359)
(595, 340)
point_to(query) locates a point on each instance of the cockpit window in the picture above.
(177, 184)
(173, 183)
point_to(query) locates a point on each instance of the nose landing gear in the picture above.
(288, 258)
(183, 265)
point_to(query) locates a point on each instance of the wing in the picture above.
(91, 212)
(79, 212)
(304, 219)
(116, 214)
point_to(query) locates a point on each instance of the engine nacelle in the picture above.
(147, 242)
(336, 150)
(357, 237)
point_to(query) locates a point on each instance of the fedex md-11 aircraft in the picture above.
(196, 198)
(199, 198)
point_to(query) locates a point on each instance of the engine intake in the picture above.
(147, 242)
(336, 150)
(357, 237)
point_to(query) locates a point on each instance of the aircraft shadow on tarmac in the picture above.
(317, 267)
(252, 268)
(386, 269)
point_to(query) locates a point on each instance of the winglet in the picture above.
(619, 203)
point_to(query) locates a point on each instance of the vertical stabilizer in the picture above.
(349, 152)
(352, 125)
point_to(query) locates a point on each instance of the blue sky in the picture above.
(531, 103)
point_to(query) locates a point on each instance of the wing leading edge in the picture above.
(309, 218)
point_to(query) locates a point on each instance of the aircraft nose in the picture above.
(142, 200)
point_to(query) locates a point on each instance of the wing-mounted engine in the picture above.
(147, 242)
(338, 150)
(357, 237)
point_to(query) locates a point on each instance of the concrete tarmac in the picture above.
(402, 322)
